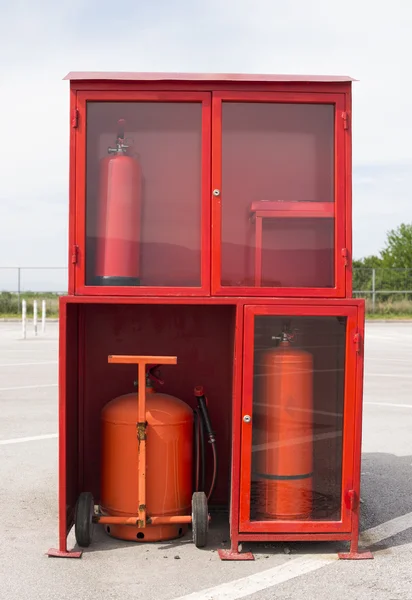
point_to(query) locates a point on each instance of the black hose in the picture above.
(202, 455)
(215, 464)
(205, 416)
(196, 449)
(200, 458)
(205, 419)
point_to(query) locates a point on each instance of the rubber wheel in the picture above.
(200, 519)
(83, 523)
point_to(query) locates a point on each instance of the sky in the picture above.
(41, 42)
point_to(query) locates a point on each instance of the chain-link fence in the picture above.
(31, 283)
(385, 290)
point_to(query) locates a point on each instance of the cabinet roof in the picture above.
(205, 77)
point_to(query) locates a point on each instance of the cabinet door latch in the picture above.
(345, 256)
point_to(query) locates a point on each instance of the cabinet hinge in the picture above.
(356, 341)
(351, 500)
(75, 254)
(345, 119)
(75, 118)
(344, 253)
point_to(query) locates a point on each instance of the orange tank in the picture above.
(283, 434)
(169, 460)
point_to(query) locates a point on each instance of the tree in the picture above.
(398, 251)
(393, 266)
(362, 272)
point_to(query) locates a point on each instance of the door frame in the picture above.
(79, 198)
(352, 398)
(342, 240)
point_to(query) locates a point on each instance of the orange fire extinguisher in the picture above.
(284, 457)
(119, 215)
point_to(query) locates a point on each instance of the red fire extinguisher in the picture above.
(119, 216)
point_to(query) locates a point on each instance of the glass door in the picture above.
(298, 407)
(278, 179)
(143, 193)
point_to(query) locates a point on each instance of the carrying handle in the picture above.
(142, 362)
(129, 359)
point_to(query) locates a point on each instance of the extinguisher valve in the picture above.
(153, 373)
(120, 148)
(286, 336)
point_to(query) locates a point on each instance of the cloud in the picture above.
(382, 201)
(42, 41)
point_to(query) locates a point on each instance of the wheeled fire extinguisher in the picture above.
(149, 459)
(284, 434)
(119, 215)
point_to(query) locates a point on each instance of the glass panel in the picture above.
(278, 194)
(297, 418)
(143, 202)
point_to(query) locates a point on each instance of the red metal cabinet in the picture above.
(245, 190)
(243, 228)
(291, 451)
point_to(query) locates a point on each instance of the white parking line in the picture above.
(34, 438)
(377, 534)
(27, 364)
(397, 375)
(390, 404)
(384, 359)
(29, 387)
(232, 590)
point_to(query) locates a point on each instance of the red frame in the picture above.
(268, 210)
(212, 93)
(70, 442)
(342, 286)
(350, 398)
(80, 199)
(241, 529)
(212, 90)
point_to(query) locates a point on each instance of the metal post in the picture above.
(18, 288)
(23, 318)
(43, 316)
(373, 289)
(35, 316)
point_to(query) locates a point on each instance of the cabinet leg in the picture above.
(235, 552)
(354, 553)
(64, 553)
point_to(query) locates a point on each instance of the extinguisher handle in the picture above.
(121, 125)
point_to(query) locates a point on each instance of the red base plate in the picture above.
(230, 555)
(355, 555)
(64, 553)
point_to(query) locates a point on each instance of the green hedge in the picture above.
(10, 305)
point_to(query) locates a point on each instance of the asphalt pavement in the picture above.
(112, 569)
